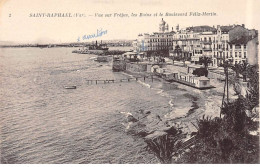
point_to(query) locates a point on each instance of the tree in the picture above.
(227, 139)
(236, 69)
(252, 96)
(243, 70)
(172, 58)
(205, 61)
(153, 54)
(177, 51)
(200, 72)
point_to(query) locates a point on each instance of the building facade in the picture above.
(156, 41)
(194, 42)
(232, 42)
(243, 45)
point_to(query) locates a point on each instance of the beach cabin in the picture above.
(149, 67)
(155, 68)
(169, 76)
(189, 78)
(175, 75)
(129, 55)
(182, 77)
(161, 70)
(193, 67)
(202, 82)
(134, 55)
(141, 56)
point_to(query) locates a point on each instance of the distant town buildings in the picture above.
(233, 42)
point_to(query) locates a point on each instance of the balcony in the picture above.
(206, 42)
(207, 49)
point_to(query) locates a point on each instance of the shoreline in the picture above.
(194, 107)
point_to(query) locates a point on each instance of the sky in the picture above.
(16, 25)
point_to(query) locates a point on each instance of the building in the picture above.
(194, 42)
(243, 45)
(231, 42)
(220, 45)
(156, 41)
(201, 82)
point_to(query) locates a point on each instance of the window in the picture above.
(244, 54)
(240, 54)
(204, 83)
(235, 54)
(238, 47)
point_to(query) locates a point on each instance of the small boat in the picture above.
(70, 87)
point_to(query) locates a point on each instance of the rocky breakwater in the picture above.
(166, 142)
(136, 67)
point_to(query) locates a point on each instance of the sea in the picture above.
(42, 122)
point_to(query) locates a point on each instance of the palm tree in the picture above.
(177, 50)
(236, 69)
(243, 69)
(153, 54)
(226, 65)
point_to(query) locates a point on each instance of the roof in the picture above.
(163, 33)
(201, 28)
(155, 66)
(195, 66)
(226, 28)
(130, 53)
(242, 40)
(203, 78)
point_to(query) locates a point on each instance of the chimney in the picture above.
(172, 28)
(177, 27)
(243, 25)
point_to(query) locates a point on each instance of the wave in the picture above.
(162, 93)
(94, 57)
(127, 125)
(170, 103)
(128, 75)
(145, 84)
(126, 113)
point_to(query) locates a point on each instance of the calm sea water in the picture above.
(41, 122)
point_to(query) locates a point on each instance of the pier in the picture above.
(107, 81)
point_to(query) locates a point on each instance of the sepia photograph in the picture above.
(129, 82)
